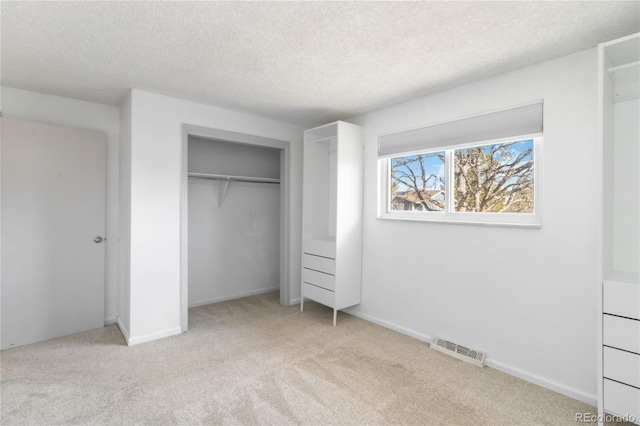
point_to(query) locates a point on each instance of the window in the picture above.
(496, 178)
(491, 182)
(417, 182)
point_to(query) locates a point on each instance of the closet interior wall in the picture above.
(234, 239)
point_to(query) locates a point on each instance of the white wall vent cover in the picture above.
(470, 355)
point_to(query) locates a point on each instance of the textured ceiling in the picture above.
(302, 62)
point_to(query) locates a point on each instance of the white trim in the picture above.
(392, 326)
(232, 297)
(123, 330)
(295, 301)
(285, 223)
(449, 180)
(184, 231)
(620, 40)
(136, 340)
(512, 371)
(599, 198)
(520, 221)
(587, 398)
(110, 321)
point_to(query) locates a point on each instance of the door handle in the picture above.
(99, 239)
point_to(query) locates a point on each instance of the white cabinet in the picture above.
(620, 392)
(332, 216)
(619, 311)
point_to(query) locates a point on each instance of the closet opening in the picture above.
(234, 217)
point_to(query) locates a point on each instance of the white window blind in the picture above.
(511, 122)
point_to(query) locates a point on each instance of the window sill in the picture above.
(514, 221)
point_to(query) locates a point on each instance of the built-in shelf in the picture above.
(620, 277)
(229, 178)
(224, 180)
(634, 64)
(626, 80)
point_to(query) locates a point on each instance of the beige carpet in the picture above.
(252, 361)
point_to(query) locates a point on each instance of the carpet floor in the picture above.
(252, 361)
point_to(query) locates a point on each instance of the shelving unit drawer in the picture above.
(318, 294)
(323, 248)
(318, 263)
(622, 299)
(622, 366)
(622, 333)
(319, 279)
(621, 399)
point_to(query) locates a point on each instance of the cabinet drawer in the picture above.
(621, 333)
(318, 294)
(320, 264)
(319, 279)
(323, 248)
(621, 299)
(621, 399)
(622, 366)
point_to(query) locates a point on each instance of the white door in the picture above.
(53, 220)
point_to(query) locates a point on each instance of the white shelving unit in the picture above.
(332, 216)
(619, 284)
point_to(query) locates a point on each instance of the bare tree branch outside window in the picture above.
(496, 178)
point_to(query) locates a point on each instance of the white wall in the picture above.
(234, 248)
(156, 151)
(524, 296)
(626, 187)
(50, 109)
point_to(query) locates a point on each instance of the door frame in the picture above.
(285, 195)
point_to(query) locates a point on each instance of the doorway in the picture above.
(220, 189)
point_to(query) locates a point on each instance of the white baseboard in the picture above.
(294, 302)
(233, 296)
(123, 330)
(581, 396)
(400, 329)
(136, 340)
(109, 321)
(577, 394)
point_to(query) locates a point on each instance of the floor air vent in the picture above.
(458, 351)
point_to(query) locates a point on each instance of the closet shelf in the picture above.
(224, 180)
(230, 178)
(634, 64)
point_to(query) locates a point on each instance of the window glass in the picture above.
(493, 183)
(417, 182)
(496, 178)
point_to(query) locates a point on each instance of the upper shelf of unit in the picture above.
(622, 277)
(321, 133)
(624, 66)
(626, 80)
(623, 51)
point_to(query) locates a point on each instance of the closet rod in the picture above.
(229, 178)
